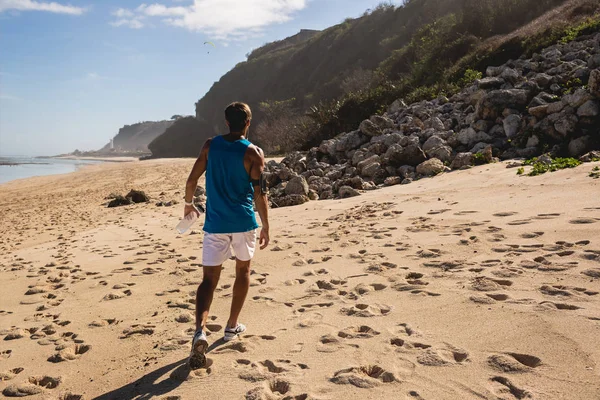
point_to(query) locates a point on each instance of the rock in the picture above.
(469, 137)
(539, 111)
(566, 124)
(579, 146)
(347, 191)
(392, 181)
(290, 200)
(368, 128)
(435, 123)
(576, 99)
(433, 142)
(462, 160)
(533, 141)
(297, 186)
(350, 141)
(589, 109)
(493, 103)
(554, 108)
(382, 122)
(367, 161)
(591, 156)
(396, 106)
(594, 82)
(444, 153)
(512, 125)
(137, 196)
(543, 80)
(409, 155)
(406, 171)
(510, 75)
(119, 201)
(490, 83)
(313, 195)
(406, 181)
(371, 170)
(430, 167)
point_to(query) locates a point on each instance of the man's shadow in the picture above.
(147, 387)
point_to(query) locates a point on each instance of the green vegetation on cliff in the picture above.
(316, 85)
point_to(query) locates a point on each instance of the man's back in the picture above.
(229, 205)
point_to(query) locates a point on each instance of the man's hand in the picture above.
(190, 209)
(264, 238)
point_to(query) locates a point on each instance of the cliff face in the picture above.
(184, 138)
(136, 137)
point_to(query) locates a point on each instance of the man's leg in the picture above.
(205, 293)
(240, 290)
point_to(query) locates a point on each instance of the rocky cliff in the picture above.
(548, 104)
(136, 137)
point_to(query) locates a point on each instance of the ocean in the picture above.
(26, 167)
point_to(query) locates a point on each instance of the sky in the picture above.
(72, 72)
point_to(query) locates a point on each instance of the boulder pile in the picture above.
(549, 103)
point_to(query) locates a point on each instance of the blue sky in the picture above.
(72, 73)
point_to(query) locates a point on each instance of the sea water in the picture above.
(26, 167)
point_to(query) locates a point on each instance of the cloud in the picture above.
(221, 19)
(123, 13)
(32, 5)
(133, 23)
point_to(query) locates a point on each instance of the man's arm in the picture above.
(260, 196)
(192, 181)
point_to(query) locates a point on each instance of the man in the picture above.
(234, 178)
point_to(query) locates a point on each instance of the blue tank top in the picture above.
(229, 192)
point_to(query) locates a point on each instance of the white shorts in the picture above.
(217, 247)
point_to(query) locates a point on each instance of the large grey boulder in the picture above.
(367, 161)
(347, 191)
(430, 167)
(589, 109)
(576, 99)
(580, 146)
(409, 155)
(444, 153)
(469, 137)
(297, 186)
(512, 125)
(462, 160)
(368, 128)
(433, 142)
(493, 103)
(566, 124)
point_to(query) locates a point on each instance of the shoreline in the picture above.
(119, 159)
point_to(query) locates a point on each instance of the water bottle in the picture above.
(187, 222)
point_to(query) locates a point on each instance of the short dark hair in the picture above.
(238, 114)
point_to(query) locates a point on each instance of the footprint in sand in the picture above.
(447, 355)
(366, 310)
(117, 295)
(274, 388)
(70, 353)
(358, 332)
(145, 329)
(504, 386)
(513, 362)
(505, 214)
(364, 377)
(103, 322)
(584, 221)
(8, 375)
(549, 305)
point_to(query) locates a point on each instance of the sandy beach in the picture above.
(478, 284)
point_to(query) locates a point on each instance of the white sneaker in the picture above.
(232, 333)
(198, 354)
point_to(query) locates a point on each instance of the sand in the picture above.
(478, 284)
